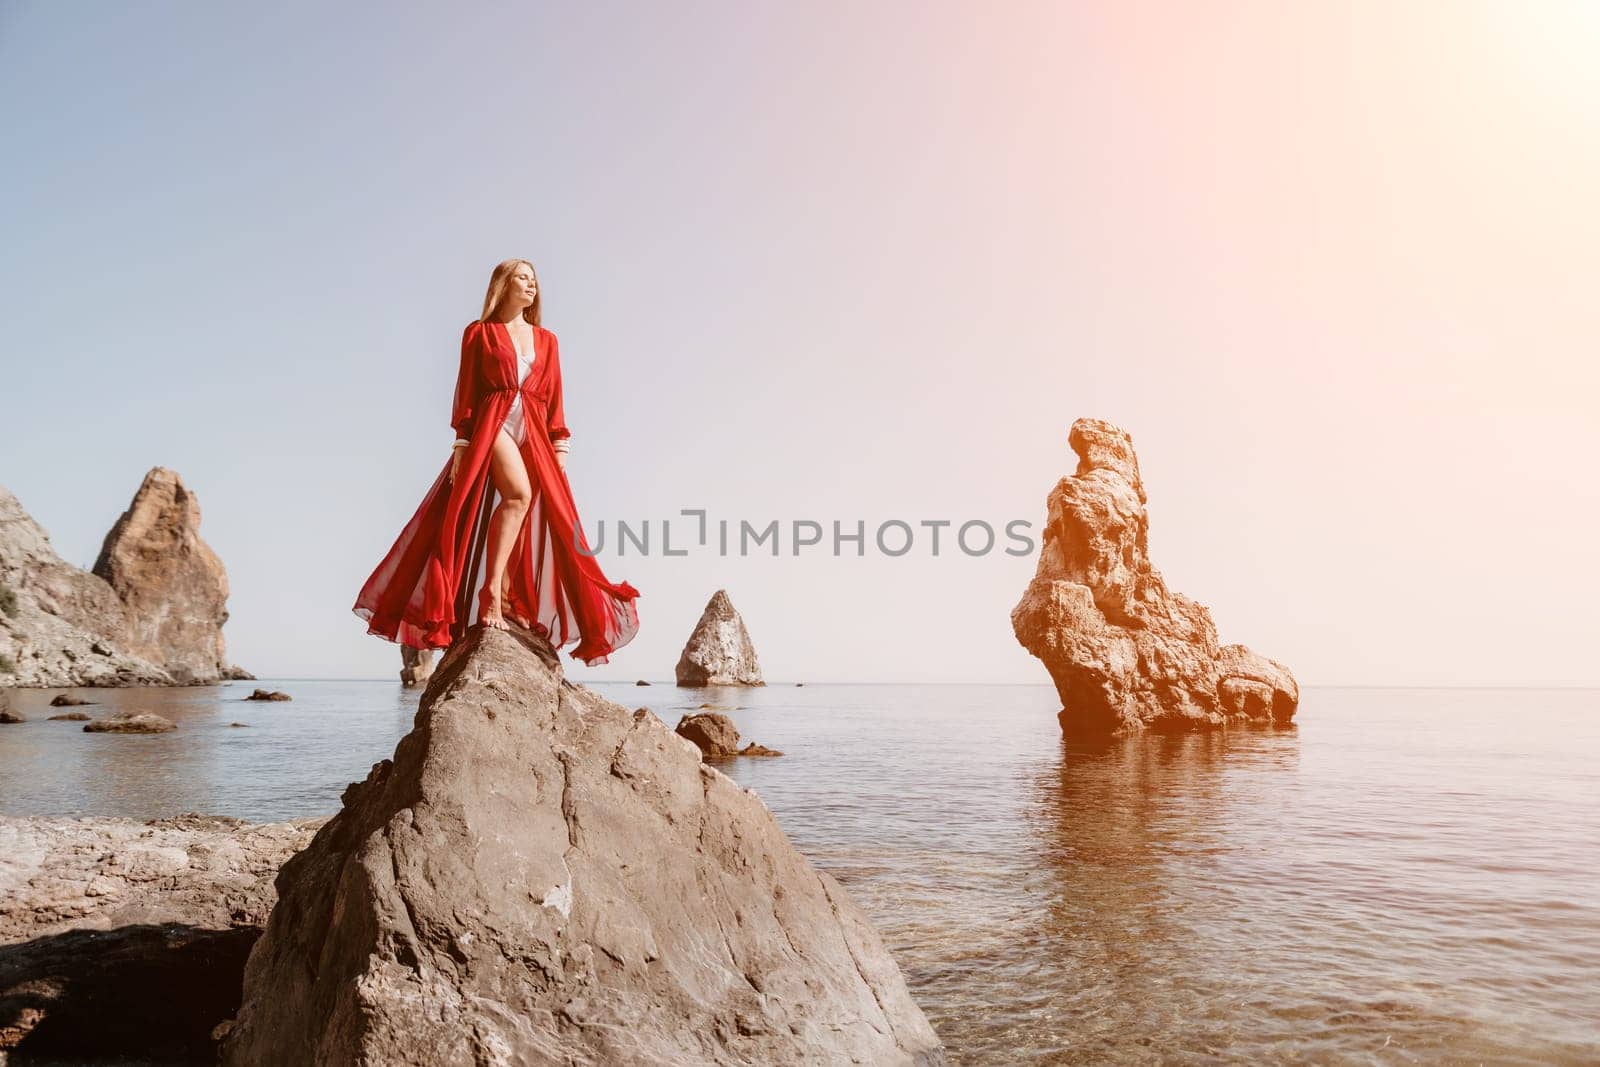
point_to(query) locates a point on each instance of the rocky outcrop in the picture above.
(150, 614)
(173, 585)
(1126, 653)
(416, 666)
(268, 694)
(125, 941)
(719, 651)
(63, 624)
(717, 738)
(540, 876)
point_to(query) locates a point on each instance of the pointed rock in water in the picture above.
(719, 651)
(1125, 653)
(416, 666)
(541, 876)
(173, 585)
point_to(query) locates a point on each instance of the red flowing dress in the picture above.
(425, 592)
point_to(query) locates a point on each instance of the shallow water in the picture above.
(1406, 876)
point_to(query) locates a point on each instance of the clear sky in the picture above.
(1333, 266)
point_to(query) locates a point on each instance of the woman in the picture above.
(511, 438)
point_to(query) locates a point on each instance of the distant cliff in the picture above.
(150, 613)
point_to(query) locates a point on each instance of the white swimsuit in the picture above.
(514, 424)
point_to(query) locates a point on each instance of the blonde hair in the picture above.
(498, 281)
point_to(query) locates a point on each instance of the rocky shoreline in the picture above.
(127, 939)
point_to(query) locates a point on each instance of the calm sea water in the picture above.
(1407, 876)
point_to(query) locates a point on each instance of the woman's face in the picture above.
(523, 287)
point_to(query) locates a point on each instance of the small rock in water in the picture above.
(143, 723)
(9, 716)
(753, 749)
(71, 716)
(67, 700)
(268, 694)
(238, 724)
(714, 734)
(641, 681)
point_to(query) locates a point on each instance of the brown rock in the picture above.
(1251, 686)
(11, 718)
(143, 723)
(173, 585)
(713, 734)
(1125, 653)
(753, 749)
(268, 694)
(540, 876)
(416, 666)
(719, 651)
(66, 700)
(71, 716)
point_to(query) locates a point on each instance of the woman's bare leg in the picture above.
(510, 477)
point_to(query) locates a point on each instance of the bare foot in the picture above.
(489, 610)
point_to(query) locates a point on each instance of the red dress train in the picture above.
(425, 592)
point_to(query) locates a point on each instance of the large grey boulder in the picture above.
(540, 876)
(719, 651)
(1125, 652)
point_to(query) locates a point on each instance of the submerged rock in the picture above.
(67, 700)
(145, 722)
(719, 651)
(541, 876)
(1125, 653)
(71, 716)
